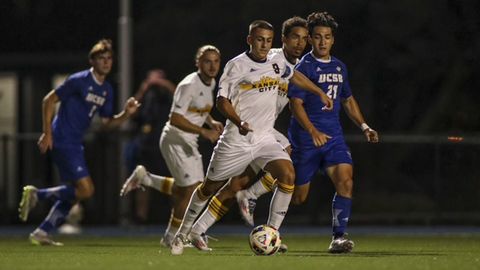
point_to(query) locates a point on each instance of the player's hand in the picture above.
(328, 103)
(371, 135)
(45, 142)
(319, 138)
(210, 134)
(218, 126)
(244, 128)
(131, 106)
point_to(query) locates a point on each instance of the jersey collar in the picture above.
(321, 60)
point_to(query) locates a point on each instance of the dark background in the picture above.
(413, 68)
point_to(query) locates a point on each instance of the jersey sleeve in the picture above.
(68, 88)
(228, 80)
(106, 111)
(295, 91)
(182, 98)
(346, 91)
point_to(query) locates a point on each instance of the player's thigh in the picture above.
(228, 161)
(70, 161)
(243, 180)
(184, 163)
(300, 193)
(306, 163)
(338, 163)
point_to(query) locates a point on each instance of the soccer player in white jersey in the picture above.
(294, 41)
(190, 110)
(247, 97)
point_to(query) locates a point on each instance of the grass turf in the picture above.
(305, 252)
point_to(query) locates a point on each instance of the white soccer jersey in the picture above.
(282, 100)
(194, 100)
(253, 87)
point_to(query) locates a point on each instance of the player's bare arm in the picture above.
(227, 110)
(45, 142)
(303, 82)
(296, 106)
(353, 111)
(184, 124)
(130, 107)
(213, 124)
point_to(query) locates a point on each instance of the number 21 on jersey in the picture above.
(332, 91)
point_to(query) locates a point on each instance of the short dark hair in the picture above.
(289, 24)
(259, 24)
(102, 46)
(321, 19)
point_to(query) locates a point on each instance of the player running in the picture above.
(248, 98)
(190, 110)
(82, 95)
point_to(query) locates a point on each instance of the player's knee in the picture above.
(288, 176)
(85, 192)
(298, 198)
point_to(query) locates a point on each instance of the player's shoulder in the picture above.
(191, 78)
(81, 75)
(337, 61)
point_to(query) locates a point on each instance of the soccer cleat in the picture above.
(247, 207)
(28, 202)
(341, 245)
(43, 240)
(166, 242)
(178, 243)
(200, 241)
(134, 181)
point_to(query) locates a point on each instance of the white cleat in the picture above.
(28, 202)
(43, 240)
(200, 241)
(178, 243)
(341, 245)
(134, 181)
(283, 248)
(247, 207)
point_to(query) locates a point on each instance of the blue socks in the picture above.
(63, 193)
(57, 216)
(340, 213)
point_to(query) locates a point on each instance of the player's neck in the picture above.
(97, 77)
(255, 58)
(290, 58)
(324, 58)
(204, 78)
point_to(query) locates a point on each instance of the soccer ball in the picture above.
(264, 240)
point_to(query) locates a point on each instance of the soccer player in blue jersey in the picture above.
(82, 95)
(316, 135)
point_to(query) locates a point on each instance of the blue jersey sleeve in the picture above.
(346, 91)
(295, 91)
(67, 89)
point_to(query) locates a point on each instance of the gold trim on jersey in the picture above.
(206, 109)
(265, 83)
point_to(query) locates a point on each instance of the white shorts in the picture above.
(281, 139)
(231, 160)
(183, 160)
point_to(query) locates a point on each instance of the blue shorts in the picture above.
(308, 161)
(70, 162)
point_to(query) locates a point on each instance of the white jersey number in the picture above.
(332, 91)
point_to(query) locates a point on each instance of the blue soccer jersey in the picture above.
(331, 76)
(81, 97)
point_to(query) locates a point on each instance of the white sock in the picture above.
(262, 186)
(173, 226)
(161, 183)
(279, 205)
(215, 211)
(195, 206)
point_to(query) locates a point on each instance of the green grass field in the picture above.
(305, 252)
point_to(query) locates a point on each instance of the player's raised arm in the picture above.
(131, 106)
(303, 82)
(353, 111)
(45, 142)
